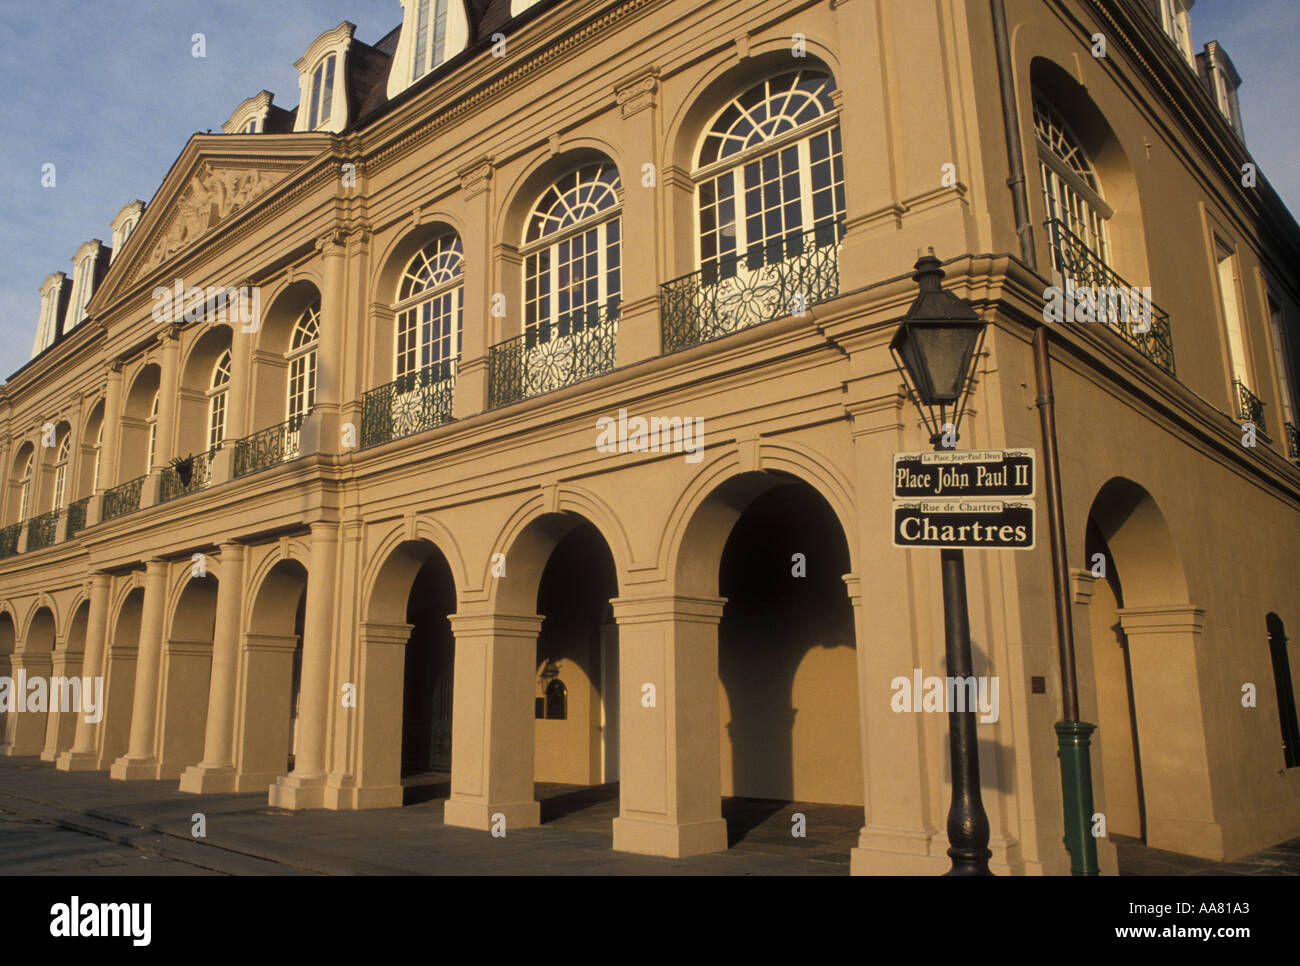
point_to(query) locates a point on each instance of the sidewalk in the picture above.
(246, 837)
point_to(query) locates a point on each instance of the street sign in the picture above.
(997, 474)
(964, 524)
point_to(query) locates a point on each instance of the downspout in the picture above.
(1072, 734)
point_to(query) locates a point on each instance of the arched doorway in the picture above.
(28, 711)
(186, 674)
(119, 678)
(428, 673)
(8, 641)
(61, 729)
(270, 662)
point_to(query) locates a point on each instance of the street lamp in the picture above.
(935, 349)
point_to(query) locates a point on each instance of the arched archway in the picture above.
(28, 710)
(8, 642)
(186, 674)
(1151, 709)
(77, 694)
(119, 678)
(283, 375)
(270, 672)
(406, 690)
(139, 444)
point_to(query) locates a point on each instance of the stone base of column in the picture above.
(127, 768)
(203, 779)
(78, 761)
(899, 852)
(482, 816)
(295, 793)
(675, 841)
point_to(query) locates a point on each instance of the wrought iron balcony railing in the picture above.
(781, 277)
(9, 540)
(40, 530)
(1113, 299)
(123, 498)
(276, 444)
(1250, 408)
(1293, 442)
(77, 515)
(408, 405)
(171, 485)
(552, 355)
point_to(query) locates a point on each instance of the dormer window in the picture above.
(1176, 21)
(83, 282)
(322, 94)
(1221, 79)
(322, 81)
(53, 301)
(123, 224)
(433, 31)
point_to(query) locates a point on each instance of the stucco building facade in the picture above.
(362, 522)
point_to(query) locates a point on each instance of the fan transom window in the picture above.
(218, 391)
(302, 363)
(430, 307)
(1071, 189)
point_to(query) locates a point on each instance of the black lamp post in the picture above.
(935, 349)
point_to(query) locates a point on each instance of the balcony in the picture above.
(408, 405)
(782, 277)
(553, 355)
(9, 540)
(123, 498)
(1250, 408)
(1293, 442)
(1085, 270)
(40, 530)
(171, 485)
(266, 448)
(77, 516)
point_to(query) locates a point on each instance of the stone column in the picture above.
(305, 786)
(470, 395)
(638, 325)
(1173, 716)
(140, 760)
(261, 725)
(216, 772)
(670, 800)
(111, 454)
(380, 681)
(321, 429)
(168, 402)
(492, 730)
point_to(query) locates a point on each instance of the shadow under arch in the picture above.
(25, 731)
(186, 673)
(60, 731)
(406, 704)
(119, 675)
(270, 664)
(269, 375)
(775, 549)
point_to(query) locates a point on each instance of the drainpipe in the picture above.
(1072, 734)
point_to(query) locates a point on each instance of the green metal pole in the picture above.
(1076, 789)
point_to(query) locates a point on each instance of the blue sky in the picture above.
(110, 93)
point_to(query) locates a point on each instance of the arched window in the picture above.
(302, 364)
(61, 469)
(218, 389)
(1071, 190)
(322, 94)
(429, 308)
(99, 452)
(25, 488)
(770, 169)
(557, 700)
(1286, 708)
(572, 254)
(152, 422)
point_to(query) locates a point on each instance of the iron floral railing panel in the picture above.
(781, 277)
(265, 448)
(552, 355)
(408, 405)
(1250, 408)
(123, 498)
(1089, 276)
(77, 516)
(170, 485)
(41, 529)
(1293, 442)
(9, 540)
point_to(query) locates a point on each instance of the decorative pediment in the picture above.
(214, 192)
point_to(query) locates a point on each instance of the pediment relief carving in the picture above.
(213, 194)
